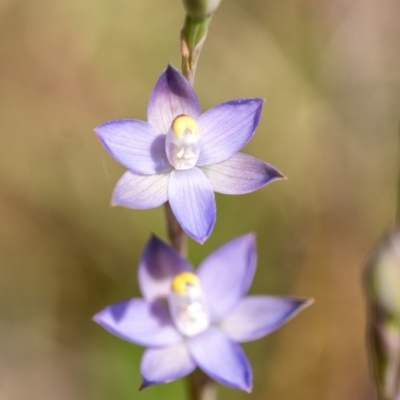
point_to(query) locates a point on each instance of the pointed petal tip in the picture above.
(308, 302)
(250, 235)
(250, 238)
(97, 129)
(261, 100)
(170, 71)
(245, 386)
(249, 388)
(201, 239)
(171, 67)
(154, 241)
(278, 174)
(97, 319)
(275, 174)
(144, 384)
(303, 304)
(153, 236)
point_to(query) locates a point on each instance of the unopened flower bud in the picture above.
(382, 281)
(200, 8)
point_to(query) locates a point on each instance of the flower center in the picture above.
(182, 142)
(187, 306)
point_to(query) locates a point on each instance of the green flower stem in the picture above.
(175, 232)
(201, 386)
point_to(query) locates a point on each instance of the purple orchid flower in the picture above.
(190, 319)
(183, 156)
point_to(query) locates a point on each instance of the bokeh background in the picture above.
(330, 72)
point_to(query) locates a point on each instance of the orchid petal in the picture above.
(135, 144)
(240, 174)
(226, 129)
(257, 316)
(172, 96)
(141, 191)
(140, 322)
(162, 365)
(193, 203)
(159, 264)
(222, 359)
(226, 275)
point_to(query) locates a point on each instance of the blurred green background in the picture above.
(330, 72)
